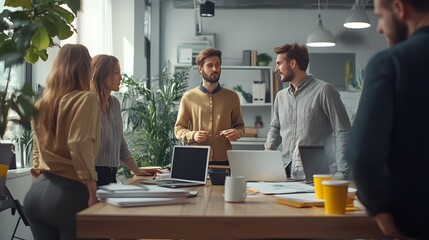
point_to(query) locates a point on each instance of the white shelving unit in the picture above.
(244, 76)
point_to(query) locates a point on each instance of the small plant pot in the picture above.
(262, 63)
(217, 175)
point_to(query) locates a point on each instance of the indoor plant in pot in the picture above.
(149, 116)
(264, 59)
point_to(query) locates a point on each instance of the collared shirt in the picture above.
(113, 147)
(311, 114)
(77, 139)
(213, 112)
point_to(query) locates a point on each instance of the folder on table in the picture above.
(139, 191)
(299, 200)
(137, 202)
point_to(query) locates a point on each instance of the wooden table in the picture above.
(209, 217)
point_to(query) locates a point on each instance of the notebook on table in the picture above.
(257, 165)
(189, 165)
(314, 161)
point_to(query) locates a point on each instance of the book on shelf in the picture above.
(299, 200)
(115, 190)
(277, 84)
(254, 58)
(246, 61)
(137, 202)
(250, 132)
(250, 58)
(258, 90)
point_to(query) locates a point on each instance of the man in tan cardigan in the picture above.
(210, 114)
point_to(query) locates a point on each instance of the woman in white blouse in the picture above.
(113, 147)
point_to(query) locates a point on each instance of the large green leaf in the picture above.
(4, 108)
(74, 5)
(32, 55)
(27, 31)
(9, 53)
(26, 4)
(43, 55)
(26, 105)
(68, 16)
(3, 38)
(23, 36)
(24, 120)
(7, 46)
(41, 39)
(63, 28)
(27, 90)
(21, 16)
(49, 26)
(23, 106)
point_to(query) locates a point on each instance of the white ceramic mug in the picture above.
(235, 189)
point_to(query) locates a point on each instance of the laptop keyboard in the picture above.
(169, 181)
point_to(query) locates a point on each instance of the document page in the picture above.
(280, 187)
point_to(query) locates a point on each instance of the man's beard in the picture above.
(209, 79)
(289, 76)
(401, 31)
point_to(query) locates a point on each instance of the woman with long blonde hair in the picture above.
(114, 150)
(66, 142)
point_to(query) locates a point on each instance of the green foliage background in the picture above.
(27, 30)
(150, 115)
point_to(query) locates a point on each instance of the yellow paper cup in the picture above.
(3, 170)
(3, 173)
(335, 195)
(317, 179)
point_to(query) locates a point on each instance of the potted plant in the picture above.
(150, 115)
(24, 139)
(242, 94)
(264, 59)
(27, 30)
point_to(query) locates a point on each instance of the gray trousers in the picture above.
(51, 205)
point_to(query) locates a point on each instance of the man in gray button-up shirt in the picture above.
(308, 112)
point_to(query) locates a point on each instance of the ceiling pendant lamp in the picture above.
(321, 37)
(207, 9)
(358, 18)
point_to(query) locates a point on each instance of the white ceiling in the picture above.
(292, 4)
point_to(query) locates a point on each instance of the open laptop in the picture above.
(314, 161)
(188, 167)
(257, 165)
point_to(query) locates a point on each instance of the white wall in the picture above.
(264, 29)
(123, 21)
(41, 69)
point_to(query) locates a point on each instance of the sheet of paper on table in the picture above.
(280, 187)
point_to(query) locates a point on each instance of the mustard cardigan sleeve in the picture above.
(84, 136)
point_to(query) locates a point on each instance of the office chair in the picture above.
(7, 201)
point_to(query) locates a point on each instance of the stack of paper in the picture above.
(138, 202)
(309, 200)
(139, 195)
(299, 200)
(280, 187)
